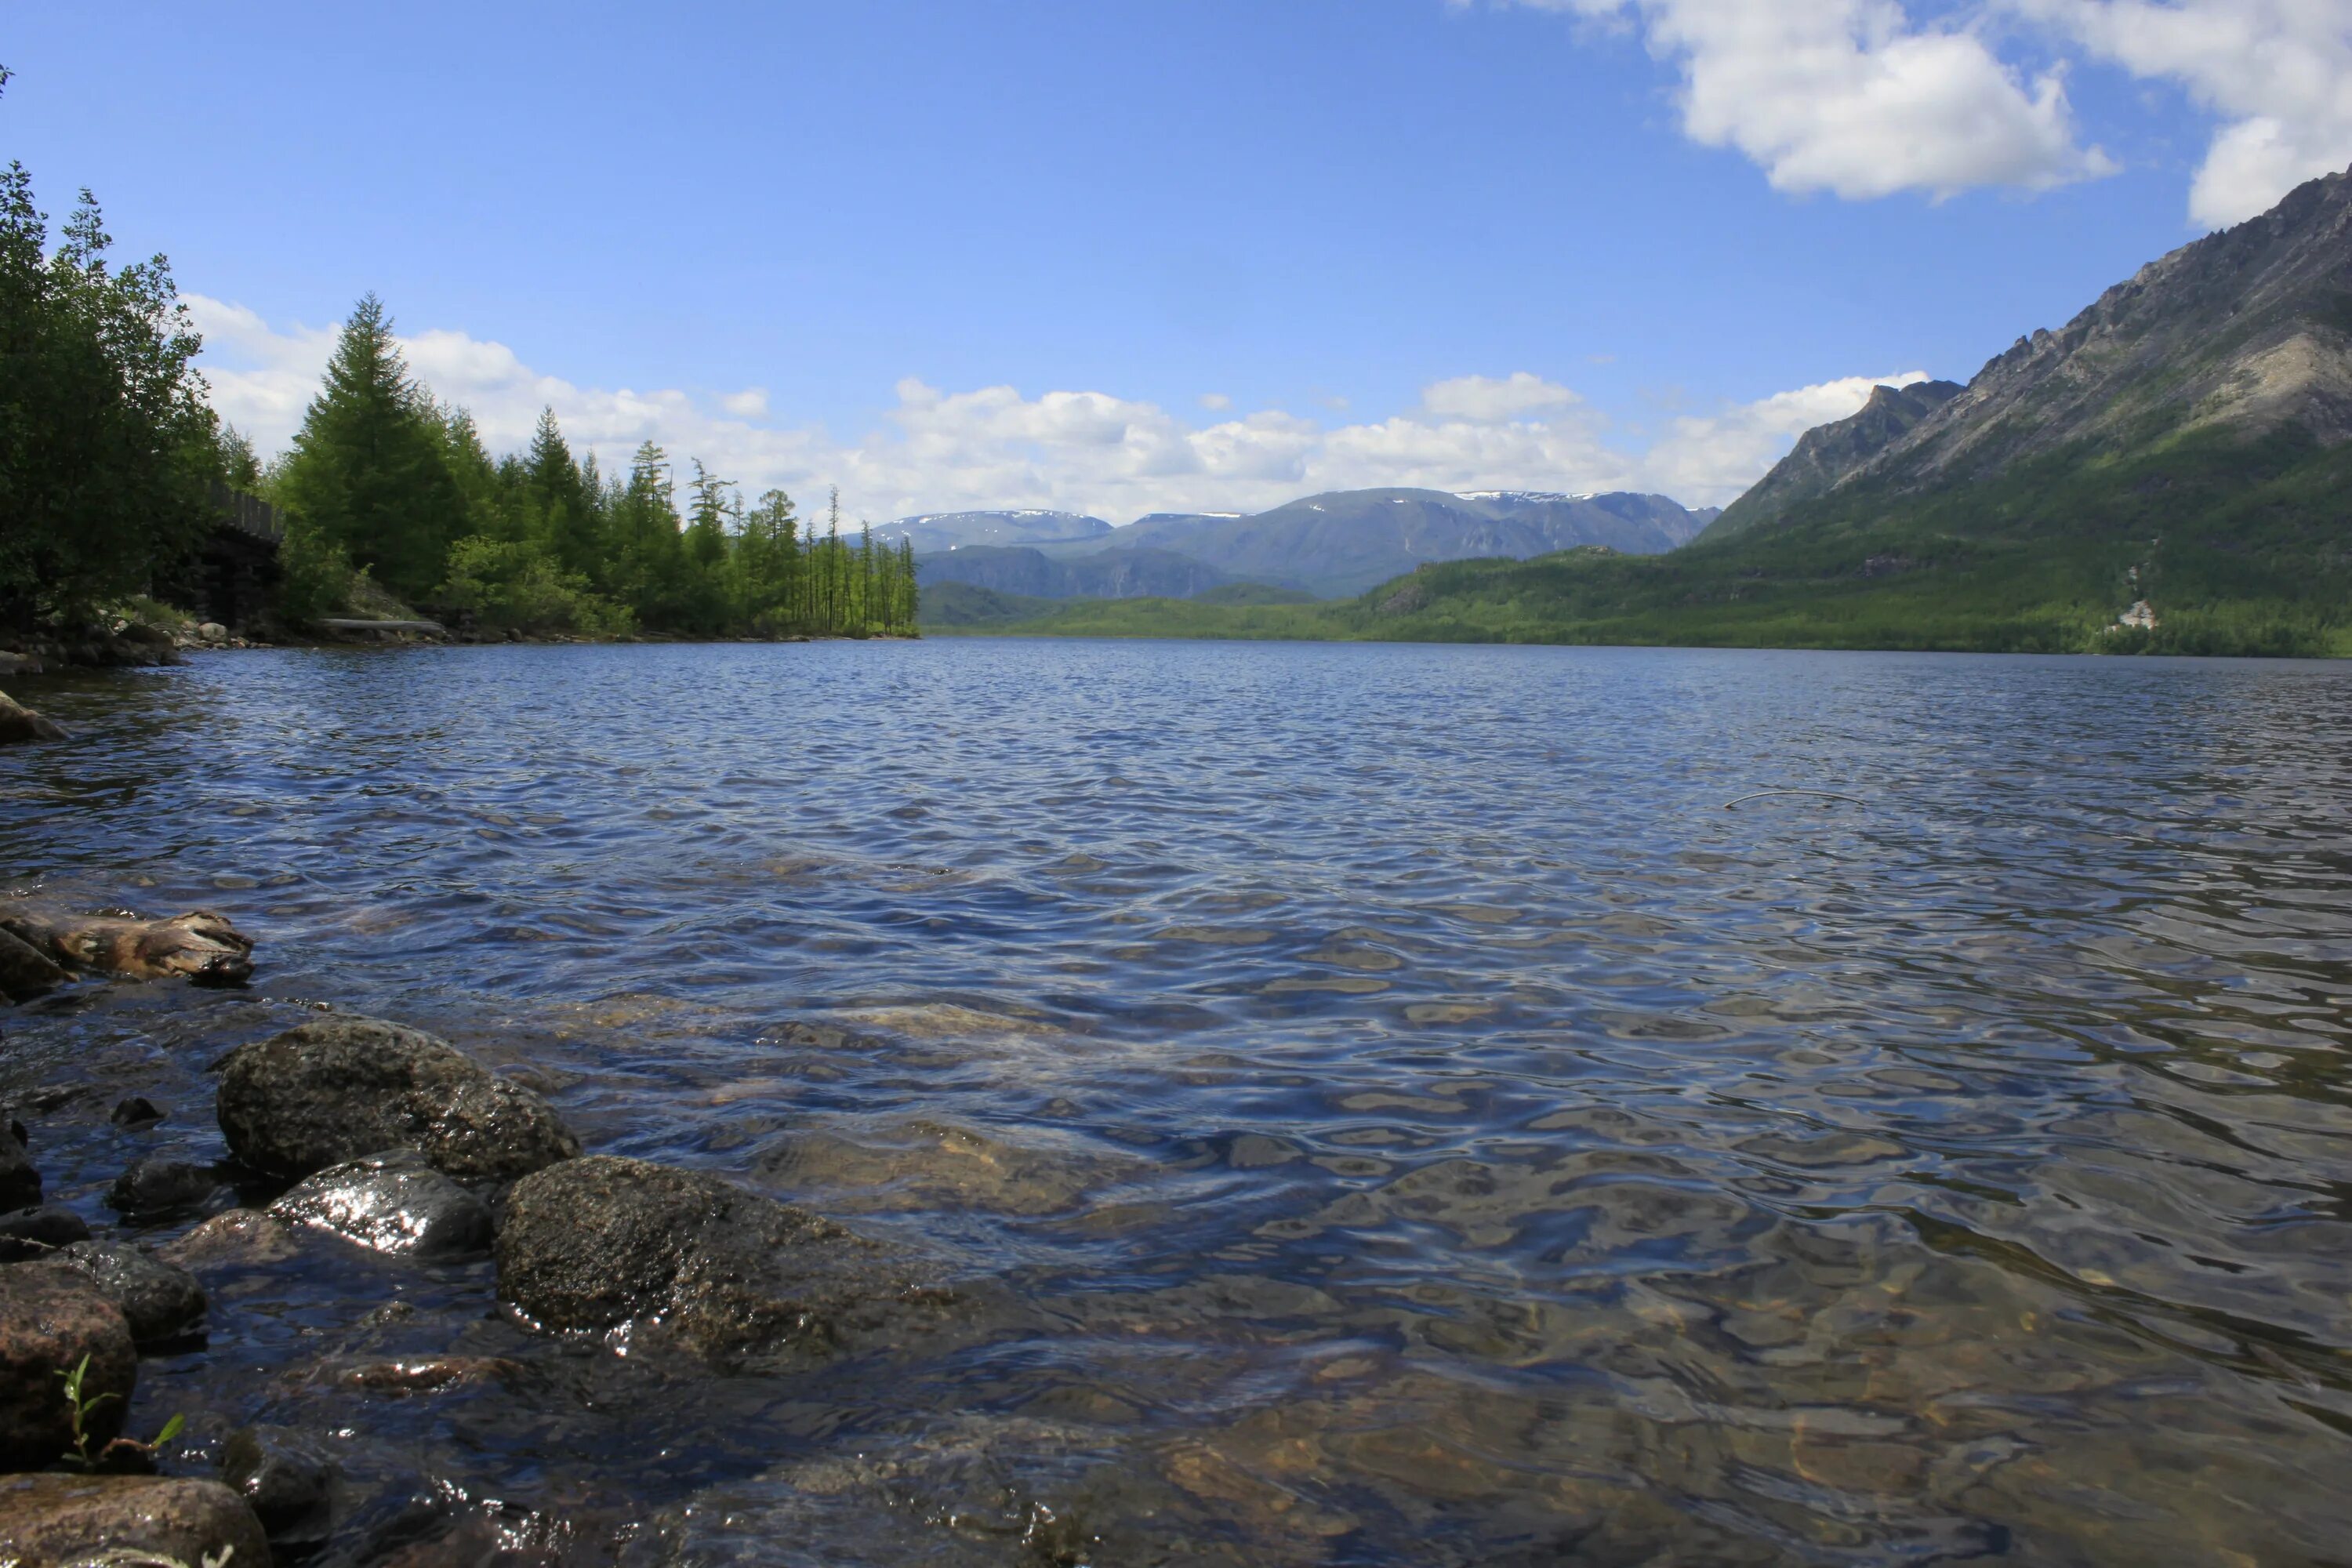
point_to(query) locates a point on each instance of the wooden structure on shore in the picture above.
(237, 566)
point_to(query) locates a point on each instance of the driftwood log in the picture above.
(202, 948)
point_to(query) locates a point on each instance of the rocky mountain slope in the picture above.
(1828, 453)
(2246, 332)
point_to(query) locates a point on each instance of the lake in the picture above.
(1408, 1114)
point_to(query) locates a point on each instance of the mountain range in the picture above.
(1328, 545)
(2170, 471)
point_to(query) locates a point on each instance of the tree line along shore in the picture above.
(392, 505)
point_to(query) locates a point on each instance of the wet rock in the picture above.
(926, 1164)
(238, 1238)
(19, 663)
(158, 1300)
(422, 1374)
(155, 1186)
(37, 1233)
(26, 971)
(286, 1479)
(50, 1521)
(391, 1203)
(602, 1243)
(138, 1111)
(18, 723)
(346, 1087)
(20, 1184)
(51, 1318)
(199, 947)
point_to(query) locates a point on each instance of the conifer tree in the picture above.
(369, 471)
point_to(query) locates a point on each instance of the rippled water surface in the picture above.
(1406, 1117)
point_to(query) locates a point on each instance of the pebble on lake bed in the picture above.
(348, 1088)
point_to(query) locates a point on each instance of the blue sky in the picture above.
(1574, 244)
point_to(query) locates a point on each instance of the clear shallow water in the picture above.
(1409, 1120)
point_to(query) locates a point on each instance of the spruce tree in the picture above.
(563, 496)
(369, 471)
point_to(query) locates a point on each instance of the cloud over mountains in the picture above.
(936, 451)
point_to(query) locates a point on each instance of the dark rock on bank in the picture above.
(160, 1301)
(156, 1187)
(343, 1088)
(51, 1318)
(38, 1233)
(286, 1479)
(18, 723)
(26, 971)
(603, 1243)
(20, 1184)
(391, 1203)
(50, 1521)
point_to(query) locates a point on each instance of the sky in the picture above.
(1132, 256)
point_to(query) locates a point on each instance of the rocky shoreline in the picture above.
(364, 1134)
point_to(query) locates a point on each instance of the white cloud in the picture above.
(1083, 451)
(752, 403)
(1215, 402)
(2277, 72)
(1485, 400)
(1856, 98)
(1847, 96)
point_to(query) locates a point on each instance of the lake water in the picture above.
(1410, 1119)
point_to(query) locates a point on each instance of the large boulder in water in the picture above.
(603, 1243)
(50, 1319)
(343, 1088)
(391, 1203)
(49, 1522)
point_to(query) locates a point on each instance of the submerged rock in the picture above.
(604, 1243)
(135, 1111)
(50, 1521)
(238, 1238)
(18, 723)
(20, 1184)
(347, 1087)
(38, 1233)
(26, 971)
(51, 1318)
(156, 1186)
(158, 1300)
(200, 947)
(391, 1203)
(286, 1479)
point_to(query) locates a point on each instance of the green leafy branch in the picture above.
(117, 1451)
